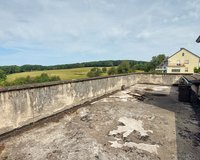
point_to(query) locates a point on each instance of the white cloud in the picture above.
(95, 29)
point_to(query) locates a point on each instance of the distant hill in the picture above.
(25, 68)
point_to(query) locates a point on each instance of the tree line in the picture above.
(115, 67)
(27, 68)
(128, 67)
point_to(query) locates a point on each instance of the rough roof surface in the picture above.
(144, 122)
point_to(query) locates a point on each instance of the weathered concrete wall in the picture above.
(20, 106)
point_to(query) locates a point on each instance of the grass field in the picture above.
(64, 74)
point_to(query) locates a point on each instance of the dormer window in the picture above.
(183, 54)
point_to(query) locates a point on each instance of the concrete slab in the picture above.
(123, 126)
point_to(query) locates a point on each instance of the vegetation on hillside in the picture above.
(64, 74)
(54, 75)
(124, 67)
(2, 75)
(26, 68)
(29, 80)
(27, 77)
(104, 69)
(128, 67)
(112, 71)
(95, 72)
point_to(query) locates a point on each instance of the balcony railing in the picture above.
(176, 65)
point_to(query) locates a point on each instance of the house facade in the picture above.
(182, 61)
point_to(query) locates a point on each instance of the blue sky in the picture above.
(51, 32)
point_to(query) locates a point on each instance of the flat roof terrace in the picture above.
(143, 122)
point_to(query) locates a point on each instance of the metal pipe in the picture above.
(187, 82)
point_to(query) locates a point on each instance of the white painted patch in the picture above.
(130, 125)
(115, 144)
(146, 147)
(142, 146)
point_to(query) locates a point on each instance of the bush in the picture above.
(124, 67)
(42, 78)
(2, 75)
(94, 72)
(112, 71)
(197, 70)
(104, 69)
(29, 80)
(22, 80)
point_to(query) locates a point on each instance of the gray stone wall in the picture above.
(23, 105)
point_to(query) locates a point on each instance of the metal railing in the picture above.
(176, 65)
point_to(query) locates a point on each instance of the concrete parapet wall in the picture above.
(23, 105)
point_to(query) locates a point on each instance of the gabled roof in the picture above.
(186, 50)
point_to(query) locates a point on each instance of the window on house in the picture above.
(186, 61)
(176, 70)
(183, 54)
(178, 63)
(186, 69)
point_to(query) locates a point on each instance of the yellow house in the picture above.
(183, 61)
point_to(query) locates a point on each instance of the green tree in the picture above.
(42, 78)
(21, 81)
(197, 70)
(94, 72)
(155, 61)
(104, 69)
(2, 75)
(112, 71)
(124, 67)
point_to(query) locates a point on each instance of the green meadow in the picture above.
(64, 74)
